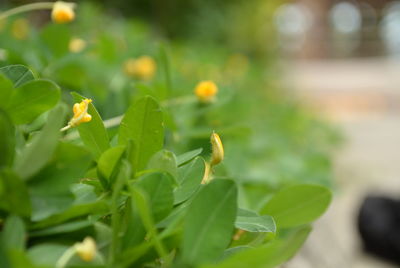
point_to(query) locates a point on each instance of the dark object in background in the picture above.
(379, 227)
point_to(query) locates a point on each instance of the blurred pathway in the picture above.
(362, 97)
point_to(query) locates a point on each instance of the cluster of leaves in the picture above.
(142, 203)
(136, 186)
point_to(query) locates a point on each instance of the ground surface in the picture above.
(363, 98)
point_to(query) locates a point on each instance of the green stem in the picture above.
(65, 258)
(26, 8)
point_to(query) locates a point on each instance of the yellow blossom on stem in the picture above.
(80, 114)
(206, 91)
(217, 149)
(86, 249)
(63, 12)
(143, 68)
(76, 45)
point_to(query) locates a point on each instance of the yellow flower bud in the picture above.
(86, 249)
(80, 113)
(143, 68)
(63, 12)
(76, 45)
(20, 29)
(217, 149)
(206, 91)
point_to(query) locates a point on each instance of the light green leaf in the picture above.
(164, 161)
(297, 205)
(43, 145)
(13, 235)
(6, 90)
(18, 74)
(142, 123)
(108, 163)
(268, 256)
(31, 100)
(251, 222)
(189, 178)
(209, 222)
(93, 134)
(7, 140)
(188, 156)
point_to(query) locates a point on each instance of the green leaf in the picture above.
(50, 188)
(62, 228)
(43, 145)
(158, 188)
(93, 134)
(188, 156)
(297, 205)
(13, 235)
(164, 161)
(6, 90)
(46, 255)
(190, 177)
(209, 222)
(7, 140)
(56, 37)
(268, 256)
(73, 212)
(251, 222)
(18, 74)
(31, 100)
(14, 196)
(142, 123)
(108, 162)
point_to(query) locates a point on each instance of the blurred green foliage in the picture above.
(135, 186)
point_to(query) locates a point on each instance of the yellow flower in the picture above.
(63, 12)
(86, 249)
(20, 29)
(206, 91)
(80, 113)
(142, 68)
(76, 45)
(217, 149)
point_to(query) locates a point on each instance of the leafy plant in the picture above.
(145, 187)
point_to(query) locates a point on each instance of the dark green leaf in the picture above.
(209, 222)
(158, 188)
(189, 178)
(7, 140)
(142, 123)
(32, 99)
(43, 145)
(297, 205)
(18, 74)
(93, 134)
(14, 196)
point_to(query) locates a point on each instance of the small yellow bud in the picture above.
(86, 249)
(143, 68)
(217, 149)
(76, 45)
(20, 29)
(80, 113)
(63, 12)
(206, 91)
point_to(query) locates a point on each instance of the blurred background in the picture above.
(339, 59)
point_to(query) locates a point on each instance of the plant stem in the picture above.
(64, 259)
(26, 8)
